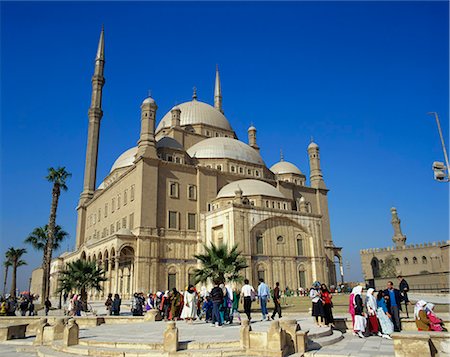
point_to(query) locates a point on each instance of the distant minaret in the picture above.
(95, 115)
(218, 92)
(399, 238)
(315, 174)
(147, 142)
(252, 138)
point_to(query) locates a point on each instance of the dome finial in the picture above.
(311, 140)
(194, 94)
(149, 93)
(281, 155)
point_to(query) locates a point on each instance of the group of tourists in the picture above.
(322, 304)
(23, 304)
(426, 319)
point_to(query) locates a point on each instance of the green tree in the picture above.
(14, 256)
(58, 178)
(81, 276)
(387, 268)
(7, 263)
(219, 264)
(38, 238)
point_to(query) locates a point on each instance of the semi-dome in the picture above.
(126, 159)
(285, 167)
(249, 187)
(168, 142)
(225, 148)
(196, 112)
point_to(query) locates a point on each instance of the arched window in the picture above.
(375, 267)
(397, 261)
(414, 260)
(424, 260)
(259, 244)
(300, 247)
(406, 261)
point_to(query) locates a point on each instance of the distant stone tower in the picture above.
(147, 143)
(95, 115)
(218, 92)
(315, 173)
(399, 238)
(252, 138)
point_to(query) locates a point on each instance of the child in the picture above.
(207, 309)
(435, 322)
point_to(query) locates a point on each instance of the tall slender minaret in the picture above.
(218, 92)
(399, 238)
(95, 115)
(315, 172)
(252, 137)
(147, 142)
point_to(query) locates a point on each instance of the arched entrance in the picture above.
(126, 271)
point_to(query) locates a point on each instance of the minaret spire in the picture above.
(95, 115)
(399, 238)
(218, 92)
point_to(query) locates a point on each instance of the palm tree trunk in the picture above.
(14, 280)
(6, 279)
(49, 245)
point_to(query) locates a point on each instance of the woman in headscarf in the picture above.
(351, 308)
(371, 306)
(317, 306)
(327, 305)
(165, 305)
(422, 321)
(175, 304)
(387, 327)
(435, 322)
(360, 320)
(189, 312)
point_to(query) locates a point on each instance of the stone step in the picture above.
(319, 332)
(317, 343)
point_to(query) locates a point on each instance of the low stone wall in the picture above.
(11, 331)
(421, 344)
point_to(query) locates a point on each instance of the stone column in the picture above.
(110, 282)
(116, 269)
(71, 333)
(171, 338)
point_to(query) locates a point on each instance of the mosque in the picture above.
(189, 182)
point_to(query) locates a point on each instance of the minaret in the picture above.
(218, 92)
(147, 143)
(176, 117)
(252, 138)
(315, 173)
(399, 238)
(95, 115)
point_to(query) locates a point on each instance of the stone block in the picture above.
(152, 315)
(301, 338)
(290, 327)
(275, 337)
(40, 328)
(9, 332)
(411, 344)
(244, 333)
(171, 338)
(71, 333)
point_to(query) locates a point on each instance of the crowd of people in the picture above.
(23, 304)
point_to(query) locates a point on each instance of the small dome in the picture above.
(249, 188)
(168, 142)
(225, 148)
(196, 112)
(285, 167)
(149, 100)
(313, 145)
(251, 128)
(126, 159)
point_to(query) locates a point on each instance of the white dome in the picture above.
(284, 167)
(249, 188)
(126, 159)
(196, 112)
(168, 142)
(313, 145)
(225, 148)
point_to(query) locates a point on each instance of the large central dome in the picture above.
(225, 148)
(195, 112)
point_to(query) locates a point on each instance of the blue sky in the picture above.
(357, 76)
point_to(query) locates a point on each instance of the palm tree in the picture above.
(7, 263)
(81, 276)
(38, 238)
(14, 255)
(58, 177)
(219, 264)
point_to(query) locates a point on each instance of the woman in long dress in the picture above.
(360, 320)
(371, 306)
(387, 327)
(317, 306)
(189, 312)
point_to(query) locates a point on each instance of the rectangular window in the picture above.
(172, 281)
(99, 214)
(117, 226)
(261, 274)
(173, 224)
(132, 193)
(173, 189)
(106, 210)
(302, 278)
(259, 245)
(112, 228)
(118, 201)
(191, 278)
(192, 218)
(125, 197)
(131, 220)
(192, 192)
(300, 247)
(113, 205)
(124, 222)
(95, 218)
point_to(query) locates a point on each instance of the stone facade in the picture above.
(425, 266)
(173, 193)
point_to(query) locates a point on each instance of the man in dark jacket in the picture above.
(404, 288)
(217, 300)
(395, 299)
(276, 301)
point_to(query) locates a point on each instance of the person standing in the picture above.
(387, 327)
(247, 295)
(263, 296)
(217, 300)
(317, 305)
(395, 299)
(360, 321)
(108, 304)
(404, 288)
(189, 312)
(115, 308)
(277, 301)
(371, 306)
(47, 305)
(327, 305)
